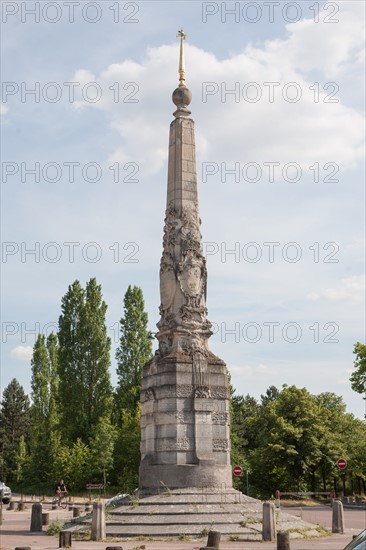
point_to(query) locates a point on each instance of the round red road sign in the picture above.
(342, 463)
(237, 471)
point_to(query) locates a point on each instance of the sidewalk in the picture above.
(15, 532)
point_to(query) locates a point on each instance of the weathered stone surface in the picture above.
(65, 539)
(192, 512)
(269, 522)
(337, 517)
(98, 522)
(36, 517)
(283, 541)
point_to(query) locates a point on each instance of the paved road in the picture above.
(15, 532)
(353, 518)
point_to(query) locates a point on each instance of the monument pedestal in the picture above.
(185, 439)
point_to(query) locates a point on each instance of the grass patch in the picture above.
(84, 535)
(234, 537)
(248, 521)
(183, 536)
(54, 528)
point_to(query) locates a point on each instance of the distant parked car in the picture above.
(5, 493)
(358, 543)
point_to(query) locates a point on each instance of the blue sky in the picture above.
(278, 96)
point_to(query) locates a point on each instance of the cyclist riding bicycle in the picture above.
(61, 491)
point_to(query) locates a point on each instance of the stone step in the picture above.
(208, 519)
(185, 513)
(188, 510)
(159, 530)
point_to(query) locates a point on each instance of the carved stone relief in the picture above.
(202, 392)
(180, 444)
(183, 281)
(221, 418)
(221, 444)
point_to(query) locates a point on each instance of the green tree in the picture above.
(358, 378)
(289, 435)
(14, 424)
(21, 460)
(44, 431)
(74, 464)
(127, 455)
(135, 348)
(102, 446)
(244, 412)
(85, 392)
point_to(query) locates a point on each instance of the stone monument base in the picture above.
(185, 423)
(183, 475)
(192, 513)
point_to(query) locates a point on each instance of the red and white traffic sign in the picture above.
(342, 463)
(237, 471)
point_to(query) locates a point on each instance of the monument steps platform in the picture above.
(193, 513)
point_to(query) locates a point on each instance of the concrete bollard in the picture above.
(213, 539)
(65, 539)
(21, 506)
(283, 540)
(337, 517)
(12, 505)
(98, 522)
(269, 522)
(45, 518)
(75, 512)
(36, 517)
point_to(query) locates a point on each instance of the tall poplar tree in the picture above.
(85, 392)
(14, 424)
(135, 348)
(44, 431)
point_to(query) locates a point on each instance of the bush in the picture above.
(54, 528)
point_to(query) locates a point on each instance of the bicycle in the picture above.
(61, 499)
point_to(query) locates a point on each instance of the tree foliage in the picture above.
(358, 377)
(135, 348)
(127, 450)
(14, 424)
(44, 384)
(292, 440)
(85, 392)
(101, 447)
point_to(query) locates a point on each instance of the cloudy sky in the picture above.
(278, 105)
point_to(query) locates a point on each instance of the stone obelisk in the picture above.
(185, 440)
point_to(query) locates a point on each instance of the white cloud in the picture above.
(280, 130)
(330, 47)
(351, 289)
(22, 353)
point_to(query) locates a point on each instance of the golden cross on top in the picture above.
(182, 78)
